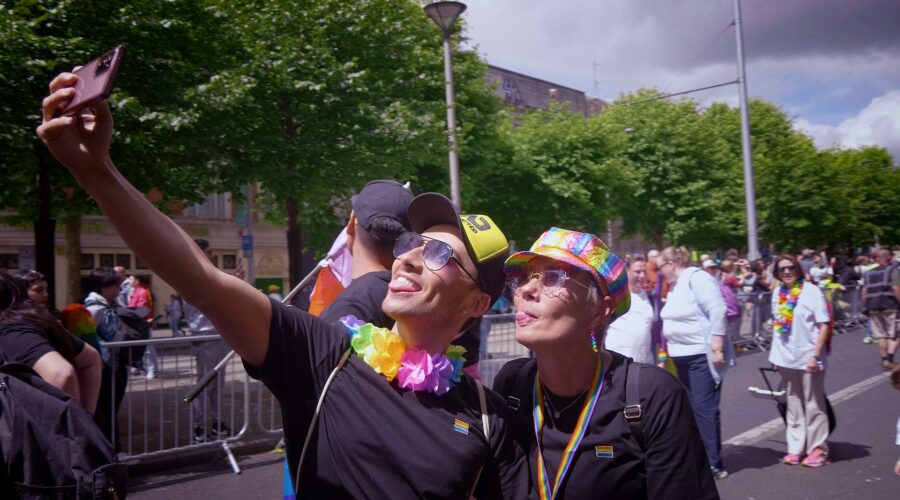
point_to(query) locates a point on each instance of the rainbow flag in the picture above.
(334, 277)
(79, 322)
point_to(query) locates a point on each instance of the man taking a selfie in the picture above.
(399, 420)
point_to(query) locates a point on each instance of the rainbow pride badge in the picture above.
(460, 426)
(603, 451)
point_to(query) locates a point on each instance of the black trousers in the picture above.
(112, 391)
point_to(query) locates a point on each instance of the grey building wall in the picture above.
(527, 92)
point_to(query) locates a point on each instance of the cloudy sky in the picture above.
(833, 65)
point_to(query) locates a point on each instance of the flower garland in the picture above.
(784, 310)
(413, 368)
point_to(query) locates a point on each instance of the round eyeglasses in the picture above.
(551, 280)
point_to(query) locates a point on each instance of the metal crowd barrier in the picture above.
(499, 346)
(847, 308)
(153, 419)
(753, 329)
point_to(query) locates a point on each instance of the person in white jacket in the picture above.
(695, 330)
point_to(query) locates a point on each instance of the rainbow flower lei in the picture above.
(413, 368)
(784, 310)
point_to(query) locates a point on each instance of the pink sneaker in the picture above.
(791, 459)
(817, 458)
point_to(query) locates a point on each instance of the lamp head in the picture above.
(444, 14)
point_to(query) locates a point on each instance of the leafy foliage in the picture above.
(169, 45)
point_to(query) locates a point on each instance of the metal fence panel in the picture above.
(152, 417)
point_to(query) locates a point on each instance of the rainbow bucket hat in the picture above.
(583, 251)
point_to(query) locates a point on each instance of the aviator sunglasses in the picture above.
(435, 253)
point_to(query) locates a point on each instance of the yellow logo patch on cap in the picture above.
(484, 236)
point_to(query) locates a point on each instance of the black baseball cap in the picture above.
(382, 198)
(485, 242)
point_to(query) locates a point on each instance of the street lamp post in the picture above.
(444, 14)
(749, 189)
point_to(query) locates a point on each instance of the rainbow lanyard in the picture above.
(568, 457)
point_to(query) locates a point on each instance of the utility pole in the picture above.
(746, 148)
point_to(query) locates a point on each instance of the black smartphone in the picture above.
(95, 81)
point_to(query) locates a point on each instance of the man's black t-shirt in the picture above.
(674, 465)
(362, 299)
(25, 343)
(374, 440)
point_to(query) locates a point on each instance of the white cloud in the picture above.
(822, 60)
(877, 124)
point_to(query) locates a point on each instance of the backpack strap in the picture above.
(486, 425)
(312, 424)
(633, 411)
(520, 399)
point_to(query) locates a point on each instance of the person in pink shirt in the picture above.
(141, 296)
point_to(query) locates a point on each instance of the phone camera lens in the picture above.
(104, 63)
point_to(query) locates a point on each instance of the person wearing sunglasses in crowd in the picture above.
(800, 335)
(595, 423)
(399, 420)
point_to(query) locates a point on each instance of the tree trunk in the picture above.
(294, 243)
(657, 235)
(45, 230)
(73, 258)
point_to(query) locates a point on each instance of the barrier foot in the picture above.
(231, 460)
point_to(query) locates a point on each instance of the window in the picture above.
(229, 261)
(9, 261)
(216, 206)
(107, 260)
(87, 262)
(124, 260)
(139, 264)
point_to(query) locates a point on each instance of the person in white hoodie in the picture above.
(695, 330)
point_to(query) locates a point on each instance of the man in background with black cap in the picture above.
(377, 219)
(399, 421)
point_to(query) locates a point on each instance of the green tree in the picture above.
(171, 46)
(679, 176)
(332, 94)
(799, 205)
(559, 174)
(867, 182)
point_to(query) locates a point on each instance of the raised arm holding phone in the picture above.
(81, 143)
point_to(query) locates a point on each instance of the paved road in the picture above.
(862, 446)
